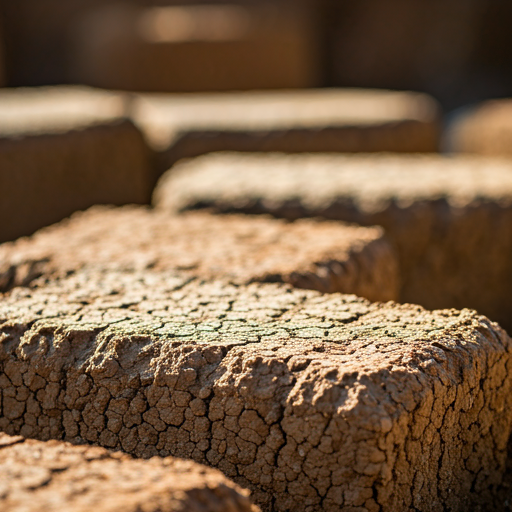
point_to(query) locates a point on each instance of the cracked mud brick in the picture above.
(448, 217)
(314, 402)
(64, 149)
(327, 257)
(342, 120)
(485, 130)
(37, 477)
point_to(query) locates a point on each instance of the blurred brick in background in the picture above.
(64, 149)
(485, 129)
(321, 120)
(458, 50)
(37, 35)
(2, 52)
(196, 48)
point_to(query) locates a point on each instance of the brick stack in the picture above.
(245, 342)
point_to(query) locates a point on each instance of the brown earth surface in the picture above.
(329, 257)
(484, 130)
(314, 402)
(65, 149)
(51, 476)
(448, 217)
(316, 120)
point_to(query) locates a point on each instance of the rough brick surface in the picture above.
(328, 257)
(62, 150)
(484, 130)
(37, 477)
(338, 120)
(315, 402)
(190, 48)
(449, 218)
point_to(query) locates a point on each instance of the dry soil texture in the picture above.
(485, 130)
(52, 476)
(63, 150)
(337, 120)
(314, 402)
(328, 257)
(449, 218)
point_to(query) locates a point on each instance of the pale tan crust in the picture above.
(314, 402)
(448, 217)
(329, 257)
(57, 476)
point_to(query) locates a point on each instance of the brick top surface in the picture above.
(182, 311)
(55, 109)
(163, 116)
(237, 247)
(317, 181)
(39, 476)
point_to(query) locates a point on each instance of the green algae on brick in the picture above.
(448, 217)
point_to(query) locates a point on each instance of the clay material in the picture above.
(328, 257)
(37, 477)
(484, 130)
(321, 120)
(63, 150)
(190, 48)
(314, 402)
(449, 218)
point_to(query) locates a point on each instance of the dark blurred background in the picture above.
(460, 51)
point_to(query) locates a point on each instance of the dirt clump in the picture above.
(64, 149)
(448, 217)
(313, 401)
(38, 476)
(328, 257)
